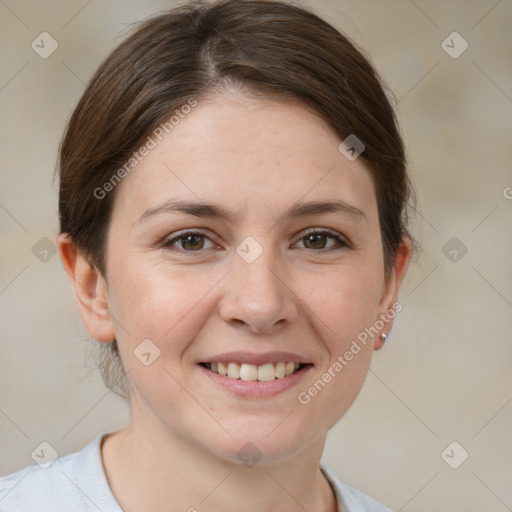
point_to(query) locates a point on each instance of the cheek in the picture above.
(344, 301)
(157, 301)
(169, 307)
(345, 315)
(162, 305)
(332, 392)
(344, 307)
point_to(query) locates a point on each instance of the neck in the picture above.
(171, 474)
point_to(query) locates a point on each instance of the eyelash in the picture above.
(342, 244)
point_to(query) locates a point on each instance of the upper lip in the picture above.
(257, 359)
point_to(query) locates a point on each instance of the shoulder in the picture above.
(36, 488)
(351, 499)
(67, 484)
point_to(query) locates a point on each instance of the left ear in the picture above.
(390, 290)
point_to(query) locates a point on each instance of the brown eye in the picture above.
(315, 241)
(318, 240)
(192, 242)
(188, 242)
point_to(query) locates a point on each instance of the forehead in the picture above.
(250, 154)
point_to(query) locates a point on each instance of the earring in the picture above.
(384, 337)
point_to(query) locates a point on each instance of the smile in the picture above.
(252, 372)
(250, 375)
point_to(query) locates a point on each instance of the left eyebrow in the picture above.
(298, 209)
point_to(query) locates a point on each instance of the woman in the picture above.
(233, 199)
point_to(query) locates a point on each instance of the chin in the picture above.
(261, 441)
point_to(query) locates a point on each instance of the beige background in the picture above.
(445, 374)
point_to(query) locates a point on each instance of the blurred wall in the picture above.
(444, 375)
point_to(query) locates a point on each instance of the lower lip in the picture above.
(255, 388)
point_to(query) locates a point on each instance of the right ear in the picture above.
(90, 290)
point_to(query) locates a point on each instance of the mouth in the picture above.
(249, 375)
(251, 372)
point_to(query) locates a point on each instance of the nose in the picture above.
(258, 296)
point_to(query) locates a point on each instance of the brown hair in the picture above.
(264, 47)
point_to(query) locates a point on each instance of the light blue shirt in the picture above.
(77, 483)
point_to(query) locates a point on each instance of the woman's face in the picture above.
(212, 257)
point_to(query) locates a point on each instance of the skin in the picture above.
(310, 297)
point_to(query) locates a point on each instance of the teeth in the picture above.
(263, 373)
(290, 368)
(248, 371)
(280, 370)
(233, 370)
(221, 369)
(266, 372)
